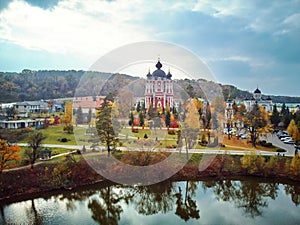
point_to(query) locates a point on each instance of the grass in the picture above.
(54, 133)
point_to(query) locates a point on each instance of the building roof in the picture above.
(159, 72)
(88, 102)
(257, 91)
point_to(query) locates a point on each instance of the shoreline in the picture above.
(182, 175)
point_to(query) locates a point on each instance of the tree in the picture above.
(142, 119)
(138, 107)
(35, 141)
(275, 117)
(79, 115)
(255, 120)
(168, 118)
(8, 154)
(67, 119)
(107, 125)
(293, 131)
(89, 116)
(11, 112)
(131, 118)
(208, 116)
(186, 207)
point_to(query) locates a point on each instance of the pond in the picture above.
(235, 201)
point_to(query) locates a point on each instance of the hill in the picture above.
(51, 84)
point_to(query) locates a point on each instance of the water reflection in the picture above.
(179, 202)
(249, 195)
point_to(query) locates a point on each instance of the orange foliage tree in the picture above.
(7, 154)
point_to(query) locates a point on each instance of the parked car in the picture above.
(286, 138)
(244, 136)
(231, 130)
(289, 142)
(283, 135)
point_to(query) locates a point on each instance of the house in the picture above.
(31, 107)
(87, 103)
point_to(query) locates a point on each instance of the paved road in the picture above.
(290, 149)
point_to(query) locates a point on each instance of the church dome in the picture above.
(159, 72)
(257, 91)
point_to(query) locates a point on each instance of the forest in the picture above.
(51, 84)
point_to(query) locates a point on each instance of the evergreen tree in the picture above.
(143, 108)
(283, 109)
(275, 118)
(131, 118)
(151, 112)
(142, 119)
(138, 107)
(107, 125)
(89, 116)
(79, 116)
(208, 116)
(168, 118)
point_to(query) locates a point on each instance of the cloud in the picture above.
(77, 27)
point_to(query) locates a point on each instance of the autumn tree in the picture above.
(67, 119)
(255, 120)
(35, 141)
(8, 154)
(293, 131)
(190, 126)
(107, 125)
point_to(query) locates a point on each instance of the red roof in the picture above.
(87, 102)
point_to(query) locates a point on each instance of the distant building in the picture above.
(31, 107)
(87, 103)
(159, 88)
(257, 99)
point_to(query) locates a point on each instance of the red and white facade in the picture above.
(159, 89)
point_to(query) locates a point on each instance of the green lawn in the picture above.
(54, 133)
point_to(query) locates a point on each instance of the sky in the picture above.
(244, 43)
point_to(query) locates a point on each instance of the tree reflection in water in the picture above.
(107, 201)
(152, 199)
(187, 207)
(294, 191)
(107, 209)
(250, 195)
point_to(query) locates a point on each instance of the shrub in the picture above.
(171, 132)
(68, 129)
(134, 130)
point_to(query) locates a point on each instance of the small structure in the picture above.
(45, 154)
(15, 124)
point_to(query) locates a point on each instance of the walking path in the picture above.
(290, 150)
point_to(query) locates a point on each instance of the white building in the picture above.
(257, 99)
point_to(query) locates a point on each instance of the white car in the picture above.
(289, 142)
(231, 130)
(244, 136)
(286, 138)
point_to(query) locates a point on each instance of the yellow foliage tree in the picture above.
(293, 131)
(7, 154)
(67, 119)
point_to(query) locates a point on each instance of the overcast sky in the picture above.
(245, 43)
